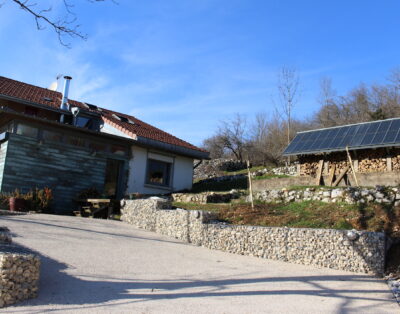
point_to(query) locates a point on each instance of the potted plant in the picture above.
(16, 202)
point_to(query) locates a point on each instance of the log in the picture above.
(341, 175)
(319, 172)
(331, 174)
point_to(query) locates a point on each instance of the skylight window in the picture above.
(90, 106)
(123, 119)
(47, 99)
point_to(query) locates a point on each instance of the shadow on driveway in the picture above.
(58, 287)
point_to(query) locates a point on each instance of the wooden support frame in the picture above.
(389, 165)
(351, 165)
(331, 174)
(341, 175)
(319, 172)
(250, 184)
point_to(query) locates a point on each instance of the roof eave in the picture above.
(34, 104)
(342, 150)
(180, 150)
(17, 115)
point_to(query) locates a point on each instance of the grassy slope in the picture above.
(307, 214)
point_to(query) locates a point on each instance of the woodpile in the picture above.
(396, 160)
(339, 159)
(373, 160)
(364, 161)
(309, 165)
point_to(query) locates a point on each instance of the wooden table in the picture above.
(92, 206)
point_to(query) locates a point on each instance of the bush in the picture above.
(238, 184)
(38, 200)
(88, 193)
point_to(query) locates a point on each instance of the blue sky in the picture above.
(185, 65)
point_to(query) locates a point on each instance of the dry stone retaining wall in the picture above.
(206, 197)
(318, 247)
(349, 195)
(19, 271)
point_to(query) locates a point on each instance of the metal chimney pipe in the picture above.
(64, 102)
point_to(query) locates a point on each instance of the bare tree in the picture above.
(329, 112)
(215, 145)
(327, 94)
(288, 88)
(394, 77)
(65, 26)
(259, 139)
(234, 135)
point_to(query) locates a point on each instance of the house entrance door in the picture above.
(112, 180)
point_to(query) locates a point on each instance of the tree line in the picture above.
(263, 139)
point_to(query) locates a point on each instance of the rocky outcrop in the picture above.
(280, 171)
(215, 167)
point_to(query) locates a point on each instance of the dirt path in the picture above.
(99, 266)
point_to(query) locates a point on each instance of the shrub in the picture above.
(88, 193)
(38, 200)
(232, 165)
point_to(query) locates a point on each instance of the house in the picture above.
(365, 154)
(50, 140)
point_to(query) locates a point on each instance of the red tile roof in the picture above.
(49, 98)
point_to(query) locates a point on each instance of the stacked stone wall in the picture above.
(350, 195)
(357, 251)
(19, 271)
(206, 197)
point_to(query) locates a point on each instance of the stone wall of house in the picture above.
(357, 251)
(351, 195)
(19, 271)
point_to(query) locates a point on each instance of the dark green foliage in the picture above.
(202, 186)
(88, 193)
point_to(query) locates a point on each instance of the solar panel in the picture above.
(392, 131)
(335, 143)
(381, 132)
(347, 138)
(363, 135)
(295, 143)
(370, 133)
(329, 137)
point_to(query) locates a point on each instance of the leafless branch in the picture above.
(66, 26)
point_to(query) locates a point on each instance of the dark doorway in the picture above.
(113, 174)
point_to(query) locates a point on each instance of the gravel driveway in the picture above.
(100, 266)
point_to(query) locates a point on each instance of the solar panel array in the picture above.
(364, 135)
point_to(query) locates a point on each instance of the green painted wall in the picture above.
(3, 152)
(65, 169)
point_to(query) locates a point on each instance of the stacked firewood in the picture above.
(340, 161)
(372, 165)
(372, 160)
(309, 169)
(396, 160)
(309, 165)
(339, 166)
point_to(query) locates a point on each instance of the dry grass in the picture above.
(307, 214)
